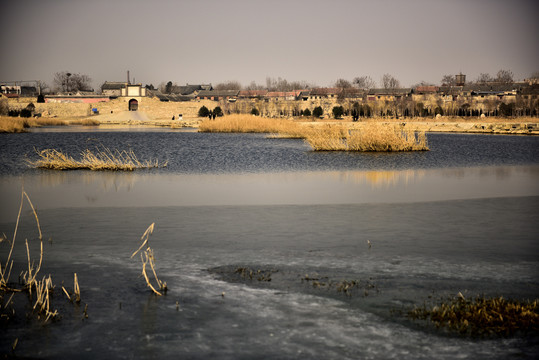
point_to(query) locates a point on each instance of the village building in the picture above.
(216, 95)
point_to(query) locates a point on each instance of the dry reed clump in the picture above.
(482, 316)
(370, 137)
(17, 124)
(147, 257)
(28, 280)
(251, 124)
(12, 125)
(102, 159)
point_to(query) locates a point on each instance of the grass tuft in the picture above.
(102, 159)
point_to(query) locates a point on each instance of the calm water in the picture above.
(461, 217)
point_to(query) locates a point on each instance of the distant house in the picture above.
(18, 90)
(229, 95)
(116, 89)
(79, 97)
(389, 94)
(190, 90)
(324, 93)
(112, 88)
(282, 95)
(252, 94)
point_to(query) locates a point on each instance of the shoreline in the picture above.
(501, 126)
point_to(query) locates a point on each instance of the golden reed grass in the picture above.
(102, 159)
(16, 124)
(251, 124)
(30, 284)
(147, 257)
(367, 137)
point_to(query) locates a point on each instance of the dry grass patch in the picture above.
(102, 159)
(369, 137)
(482, 316)
(10, 124)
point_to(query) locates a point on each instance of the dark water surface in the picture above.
(462, 217)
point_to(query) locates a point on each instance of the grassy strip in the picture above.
(17, 125)
(482, 316)
(251, 124)
(104, 159)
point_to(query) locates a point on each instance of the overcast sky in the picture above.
(318, 41)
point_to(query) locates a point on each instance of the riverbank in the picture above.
(490, 125)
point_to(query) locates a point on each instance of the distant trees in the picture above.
(228, 85)
(504, 76)
(449, 80)
(484, 78)
(390, 82)
(168, 87)
(364, 82)
(67, 82)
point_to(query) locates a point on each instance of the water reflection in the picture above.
(94, 189)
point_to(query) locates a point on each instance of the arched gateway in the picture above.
(133, 105)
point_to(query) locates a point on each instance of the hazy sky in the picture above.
(318, 41)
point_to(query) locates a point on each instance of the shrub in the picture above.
(306, 112)
(4, 107)
(26, 113)
(318, 111)
(218, 111)
(338, 111)
(255, 112)
(506, 109)
(203, 111)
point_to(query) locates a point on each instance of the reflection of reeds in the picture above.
(102, 159)
(147, 257)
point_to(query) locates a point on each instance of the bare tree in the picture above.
(68, 82)
(449, 80)
(364, 82)
(484, 78)
(389, 82)
(228, 85)
(504, 76)
(254, 86)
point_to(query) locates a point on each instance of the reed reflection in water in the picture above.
(81, 189)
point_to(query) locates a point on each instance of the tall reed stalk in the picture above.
(147, 257)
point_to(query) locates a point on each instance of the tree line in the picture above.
(66, 81)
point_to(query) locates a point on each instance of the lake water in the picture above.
(462, 217)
